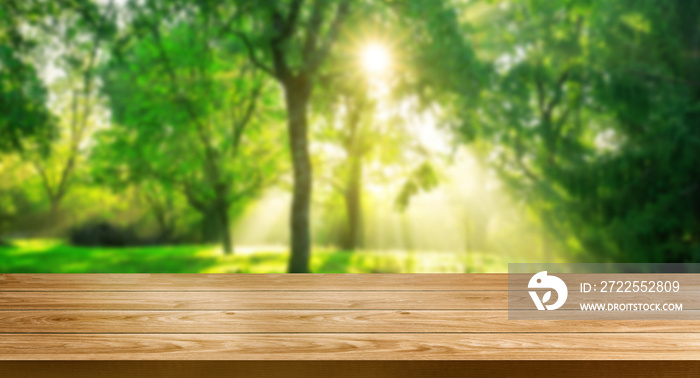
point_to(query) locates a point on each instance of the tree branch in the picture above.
(322, 52)
(192, 198)
(251, 54)
(241, 124)
(44, 179)
(539, 85)
(285, 27)
(210, 153)
(558, 90)
(313, 29)
(560, 122)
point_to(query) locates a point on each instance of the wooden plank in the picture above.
(316, 321)
(252, 300)
(307, 317)
(293, 282)
(275, 321)
(252, 282)
(347, 369)
(306, 300)
(563, 346)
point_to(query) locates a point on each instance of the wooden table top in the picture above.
(306, 317)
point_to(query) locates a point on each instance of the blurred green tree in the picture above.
(589, 117)
(187, 107)
(80, 31)
(290, 41)
(22, 93)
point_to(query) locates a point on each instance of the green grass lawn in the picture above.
(52, 256)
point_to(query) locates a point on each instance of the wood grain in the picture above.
(251, 282)
(561, 346)
(296, 282)
(299, 300)
(256, 300)
(382, 317)
(317, 321)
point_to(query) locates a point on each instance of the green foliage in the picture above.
(423, 178)
(587, 110)
(440, 64)
(590, 117)
(22, 103)
(22, 94)
(192, 117)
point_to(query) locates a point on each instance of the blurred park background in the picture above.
(348, 135)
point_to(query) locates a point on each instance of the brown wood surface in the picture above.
(253, 282)
(349, 369)
(299, 300)
(253, 300)
(352, 346)
(298, 282)
(318, 321)
(227, 318)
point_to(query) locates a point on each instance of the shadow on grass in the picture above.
(331, 262)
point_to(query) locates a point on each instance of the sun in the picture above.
(375, 58)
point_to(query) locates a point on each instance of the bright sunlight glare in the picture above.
(375, 58)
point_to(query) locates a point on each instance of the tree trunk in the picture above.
(216, 226)
(55, 204)
(211, 225)
(297, 92)
(353, 205)
(225, 230)
(165, 225)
